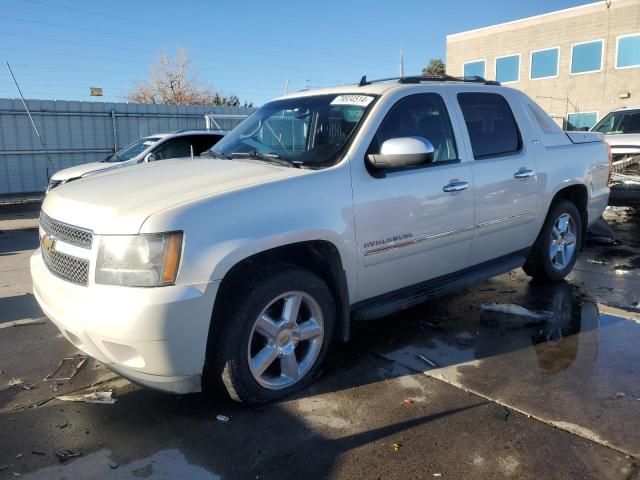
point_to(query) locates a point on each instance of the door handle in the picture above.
(455, 187)
(523, 173)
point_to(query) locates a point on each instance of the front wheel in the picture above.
(276, 335)
(555, 251)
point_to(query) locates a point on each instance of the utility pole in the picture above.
(306, 84)
(401, 64)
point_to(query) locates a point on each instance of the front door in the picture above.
(414, 224)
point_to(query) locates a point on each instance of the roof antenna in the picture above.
(363, 81)
(24, 104)
(401, 64)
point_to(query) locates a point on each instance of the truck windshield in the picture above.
(303, 131)
(620, 122)
(130, 151)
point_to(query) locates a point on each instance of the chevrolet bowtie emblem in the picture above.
(48, 242)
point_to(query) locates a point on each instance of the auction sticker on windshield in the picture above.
(360, 100)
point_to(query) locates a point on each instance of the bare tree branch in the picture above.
(174, 81)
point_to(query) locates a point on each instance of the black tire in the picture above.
(232, 342)
(539, 264)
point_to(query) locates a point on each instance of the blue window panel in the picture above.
(474, 69)
(628, 51)
(508, 69)
(544, 63)
(586, 57)
(576, 121)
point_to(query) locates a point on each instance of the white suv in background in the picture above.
(161, 146)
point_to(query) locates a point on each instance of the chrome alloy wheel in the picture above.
(285, 340)
(563, 242)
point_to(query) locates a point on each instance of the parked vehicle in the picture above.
(183, 143)
(622, 132)
(323, 207)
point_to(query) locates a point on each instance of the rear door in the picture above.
(408, 228)
(504, 174)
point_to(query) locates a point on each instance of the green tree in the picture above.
(435, 67)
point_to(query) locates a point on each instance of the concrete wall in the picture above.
(589, 92)
(81, 132)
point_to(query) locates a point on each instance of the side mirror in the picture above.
(151, 157)
(402, 152)
(108, 157)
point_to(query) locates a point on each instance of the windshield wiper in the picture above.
(267, 157)
(212, 154)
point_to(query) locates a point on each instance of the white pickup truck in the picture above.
(323, 207)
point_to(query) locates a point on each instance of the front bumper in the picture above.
(156, 337)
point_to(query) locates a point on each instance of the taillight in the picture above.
(610, 162)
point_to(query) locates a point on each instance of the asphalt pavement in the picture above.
(467, 386)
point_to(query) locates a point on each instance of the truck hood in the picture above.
(80, 170)
(624, 142)
(120, 200)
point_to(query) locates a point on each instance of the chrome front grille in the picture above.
(72, 269)
(68, 267)
(65, 232)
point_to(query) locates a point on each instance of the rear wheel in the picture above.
(555, 251)
(276, 335)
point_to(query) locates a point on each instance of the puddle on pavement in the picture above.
(576, 369)
(626, 268)
(166, 464)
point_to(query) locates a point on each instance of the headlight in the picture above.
(146, 260)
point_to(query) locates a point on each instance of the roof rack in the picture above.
(428, 78)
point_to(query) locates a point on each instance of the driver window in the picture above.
(422, 115)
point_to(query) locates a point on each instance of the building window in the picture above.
(586, 57)
(544, 63)
(628, 51)
(581, 121)
(474, 69)
(508, 68)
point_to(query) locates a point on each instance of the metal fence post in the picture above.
(115, 131)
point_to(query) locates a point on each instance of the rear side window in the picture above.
(492, 128)
(202, 143)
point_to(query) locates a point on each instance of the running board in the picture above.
(407, 297)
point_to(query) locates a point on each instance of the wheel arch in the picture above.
(321, 257)
(577, 194)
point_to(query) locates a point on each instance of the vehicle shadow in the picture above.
(19, 307)
(21, 240)
(271, 441)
